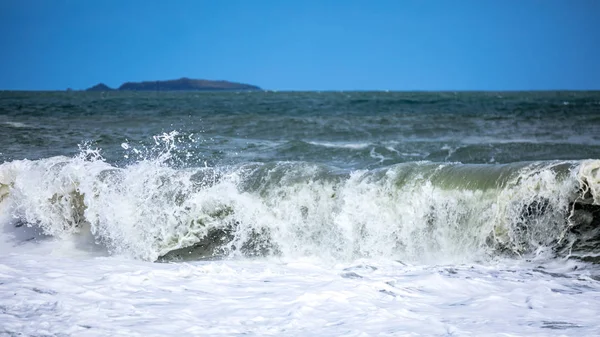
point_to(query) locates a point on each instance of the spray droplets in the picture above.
(89, 153)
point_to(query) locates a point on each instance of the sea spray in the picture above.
(415, 211)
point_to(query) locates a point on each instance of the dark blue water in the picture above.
(345, 129)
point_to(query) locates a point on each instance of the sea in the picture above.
(299, 213)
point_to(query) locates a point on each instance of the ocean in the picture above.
(300, 213)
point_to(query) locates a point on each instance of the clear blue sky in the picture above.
(303, 44)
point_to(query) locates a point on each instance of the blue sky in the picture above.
(303, 45)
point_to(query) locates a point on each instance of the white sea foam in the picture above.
(342, 145)
(397, 251)
(46, 295)
(17, 125)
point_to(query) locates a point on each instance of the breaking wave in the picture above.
(418, 211)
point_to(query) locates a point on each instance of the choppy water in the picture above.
(336, 213)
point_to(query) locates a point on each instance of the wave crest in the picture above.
(418, 211)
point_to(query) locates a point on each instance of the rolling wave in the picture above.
(416, 211)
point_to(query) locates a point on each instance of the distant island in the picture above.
(182, 84)
(99, 87)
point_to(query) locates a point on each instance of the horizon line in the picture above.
(314, 90)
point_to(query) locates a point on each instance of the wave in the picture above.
(17, 125)
(370, 154)
(417, 211)
(344, 145)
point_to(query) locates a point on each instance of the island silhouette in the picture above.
(182, 84)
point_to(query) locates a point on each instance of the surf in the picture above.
(417, 211)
